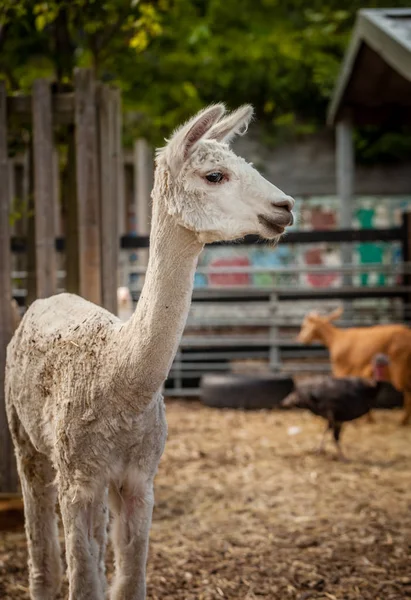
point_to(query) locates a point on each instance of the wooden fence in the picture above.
(208, 346)
(82, 129)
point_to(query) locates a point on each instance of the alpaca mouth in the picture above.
(277, 225)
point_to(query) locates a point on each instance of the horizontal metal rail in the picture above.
(134, 242)
(263, 293)
(257, 322)
(393, 269)
(200, 369)
(23, 274)
(217, 355)
(210, 366)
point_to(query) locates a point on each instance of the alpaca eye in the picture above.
(215, 177)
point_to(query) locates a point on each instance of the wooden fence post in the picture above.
(58, 224)
(87, 185)
(69, 191)
(19, 261)
(143, 183)
(108, 197)
(44, 202)
(8, 476)
(119, 192)
(120, 186)
(12, 192)
(406, 257)
(118, 165)
(31, 281)
(345, 191)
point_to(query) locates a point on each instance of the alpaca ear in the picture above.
(336, 314)
(183, 141)
(234, 124)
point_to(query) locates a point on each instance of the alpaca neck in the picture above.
(151, 337)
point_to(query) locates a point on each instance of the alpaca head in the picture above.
(212, 191)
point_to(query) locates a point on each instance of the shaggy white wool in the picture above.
(83, 388)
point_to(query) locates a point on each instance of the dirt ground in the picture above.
(245, 510)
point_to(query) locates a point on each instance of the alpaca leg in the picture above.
(132, 507)
(100, 523)
(39, 496)
(83, 527)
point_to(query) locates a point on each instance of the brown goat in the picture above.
(351, 350)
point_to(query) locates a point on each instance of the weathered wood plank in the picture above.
(143, 183)
(70, 207)
(8, 477)
(118, 159)
(345, 170)
(44, 202)
(12, 191)
(108, 196)
(406, 251)
(62, 105)
(345, 186)
(119, 193)
(58, 223)
(87, 185)
(31, 233)
(332, 236)
(122, 203)
(19, 261)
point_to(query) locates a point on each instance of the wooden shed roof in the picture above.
(374, 85)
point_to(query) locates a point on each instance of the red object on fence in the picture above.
(323, 219)
(319, 280)
(228, 279)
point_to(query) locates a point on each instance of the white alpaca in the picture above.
(83, 389)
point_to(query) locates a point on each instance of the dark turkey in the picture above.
(340, 399)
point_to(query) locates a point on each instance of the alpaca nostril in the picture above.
(286, 202)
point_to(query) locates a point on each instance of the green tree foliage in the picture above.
(170, 57)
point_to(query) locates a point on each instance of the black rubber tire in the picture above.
(389, 397)
(243, 391)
